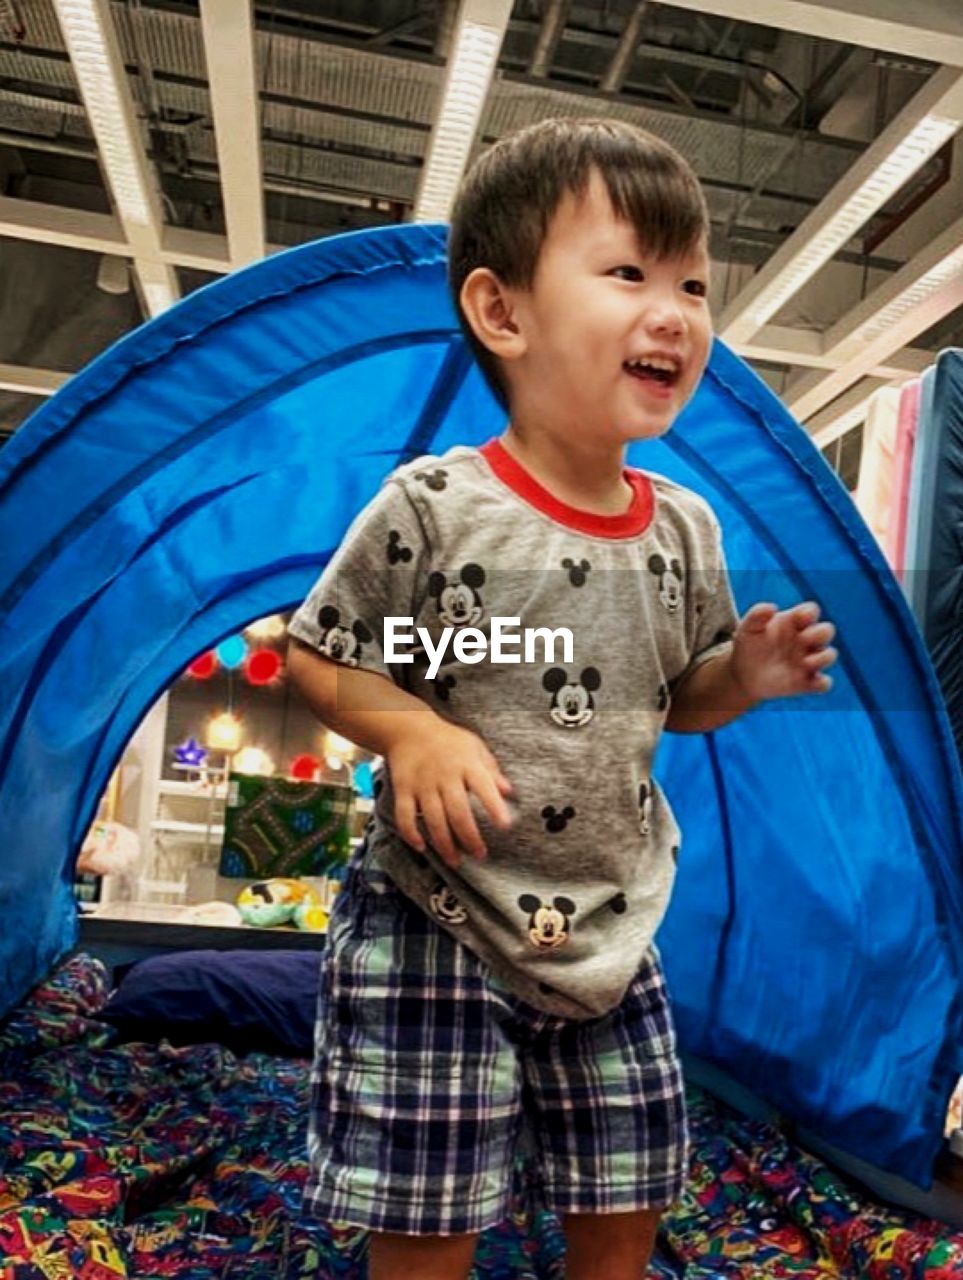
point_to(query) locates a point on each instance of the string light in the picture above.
(224, 732)
(269, 628)
(305, 767)
(253, 760)
(263, 666)
(232, 651)
(203, 666)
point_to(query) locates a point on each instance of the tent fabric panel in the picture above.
(210, 538)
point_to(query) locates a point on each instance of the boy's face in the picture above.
(612, 340)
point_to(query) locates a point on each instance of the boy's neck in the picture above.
(588, 480)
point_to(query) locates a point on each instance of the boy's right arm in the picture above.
(434, 765)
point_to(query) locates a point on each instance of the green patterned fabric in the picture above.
(281, 827)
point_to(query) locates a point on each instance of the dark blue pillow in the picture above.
(250, 1001)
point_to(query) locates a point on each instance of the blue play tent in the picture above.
(200, 473)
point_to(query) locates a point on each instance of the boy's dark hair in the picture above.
(509, 196)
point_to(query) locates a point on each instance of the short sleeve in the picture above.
(376, 573)
(711, 608)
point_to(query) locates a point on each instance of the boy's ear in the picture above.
(489, 308)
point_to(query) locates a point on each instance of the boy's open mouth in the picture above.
(662, 371)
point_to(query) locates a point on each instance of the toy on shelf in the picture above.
(212, 912)
(109, 849)
(311, 917)
(277, 827)
(267, 903)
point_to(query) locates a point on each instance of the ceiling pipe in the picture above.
(618, 68)
(447, 13)
(550, 32)
(921, 197)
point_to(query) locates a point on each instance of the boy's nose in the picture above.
(664, 315)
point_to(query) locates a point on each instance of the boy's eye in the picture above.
(696, 287)
(627, 272)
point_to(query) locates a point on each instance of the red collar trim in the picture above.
(631, 523)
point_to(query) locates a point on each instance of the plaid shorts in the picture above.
(429, 1078)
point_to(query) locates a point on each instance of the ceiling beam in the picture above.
(928, 29)
(32, 382)
(781, 344)
(206, 251)
(98, 66)
(928, 288)
(924, 125)
(228, 27)
(54, 224)
(845, 413)
(102, 233)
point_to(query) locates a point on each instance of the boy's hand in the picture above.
(780, 654)
(433, 773)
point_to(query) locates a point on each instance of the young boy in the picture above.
(490, 963)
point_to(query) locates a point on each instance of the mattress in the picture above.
(874, 485)
(934, 575)
(145, 1160)
(909, 410)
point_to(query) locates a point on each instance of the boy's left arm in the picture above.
(774, 654)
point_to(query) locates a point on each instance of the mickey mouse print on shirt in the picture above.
(646, 795)
(549, 926)
(670, 581)
(459, 603)
(572, 704)
(340, 643)
(446, 905)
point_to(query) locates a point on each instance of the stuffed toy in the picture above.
(109, 849)
(272, 902)
(213, 912)
(311, 917)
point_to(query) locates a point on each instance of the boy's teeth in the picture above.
(667, 366)
(666, 369)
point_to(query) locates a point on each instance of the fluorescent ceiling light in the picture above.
(98, 64)
(94, 56)
(917, 133)
(478, 36)
(925, 140)
(946, 270)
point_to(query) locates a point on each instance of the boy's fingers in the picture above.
(405, 821)
(816, 661)
(759, 616)
(481, 784)
(433, 816)
(806, 614)
(819, 634)
(462, 821)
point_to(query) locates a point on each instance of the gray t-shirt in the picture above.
(569, 898)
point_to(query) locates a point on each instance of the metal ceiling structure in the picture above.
(186, 138)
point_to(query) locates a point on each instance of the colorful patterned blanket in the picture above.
(140, 1160)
